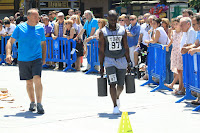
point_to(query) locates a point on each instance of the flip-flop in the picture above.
(169, 86)
(178, 92)
(195, 102)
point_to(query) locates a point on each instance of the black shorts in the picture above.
(29, 69)
(79, 48)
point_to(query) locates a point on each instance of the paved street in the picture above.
(72, 106)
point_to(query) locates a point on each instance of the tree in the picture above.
(195, 4)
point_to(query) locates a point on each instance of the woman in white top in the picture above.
(161, 37)
(75, 25)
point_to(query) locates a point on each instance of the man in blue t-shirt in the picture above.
(90, 26)
(31, 56)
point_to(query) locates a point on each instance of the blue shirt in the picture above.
(60, 31)
(135, 31)
(89, 25)
(29, 41)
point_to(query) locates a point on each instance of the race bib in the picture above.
(112, 78)
(114, 43)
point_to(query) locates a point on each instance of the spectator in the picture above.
(78, 22)
(187, 13)
(189, 34)
(58, 32)
(90, 26)
(101, 24)
(9, 27)
(121, 21)
(47, 26)
(133, 32)
(171, 28)
(165, 25)
(71, 12)
(70, 33)
(176, 58)
(160, 36)
(2, 34)
(196, 25)
(75, 25)
(21, 18)
(127, 21)
(140, 18)
(67, 17)
(54, 15)
(12, 20)
(144, 30)
(78, 12)
(17, 15)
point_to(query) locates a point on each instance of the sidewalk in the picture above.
(72, 106)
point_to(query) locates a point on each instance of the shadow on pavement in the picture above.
(27, 114)
(112, 116)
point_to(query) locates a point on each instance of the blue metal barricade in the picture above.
(3, 49)
(157, 66)
(191, 76)
(93, 57)
(61, 50)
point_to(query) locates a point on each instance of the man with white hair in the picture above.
(189, 34)
(90, 26)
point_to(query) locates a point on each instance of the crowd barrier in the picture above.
(93, 57)
(61, 50)
(3, 49)
(191, 76)
(157, 66)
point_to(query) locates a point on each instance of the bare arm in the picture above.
(140, 40)
(101, 52)
(8, 50)
(47, 35)
(185, 49)
(92, 31)
(44, 49)
(80, 34)
(154, 40)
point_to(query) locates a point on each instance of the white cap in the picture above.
(60, 14)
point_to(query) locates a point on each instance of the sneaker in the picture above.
(118, 103)
(40, 109)
(32, 106)
(116, 111)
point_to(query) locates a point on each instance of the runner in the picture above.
(114, 53)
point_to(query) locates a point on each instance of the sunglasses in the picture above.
(131, 19)
(66, 23)
(121, 20)
(84, 18)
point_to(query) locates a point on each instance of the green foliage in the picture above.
(195, 4)
(125, 3)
